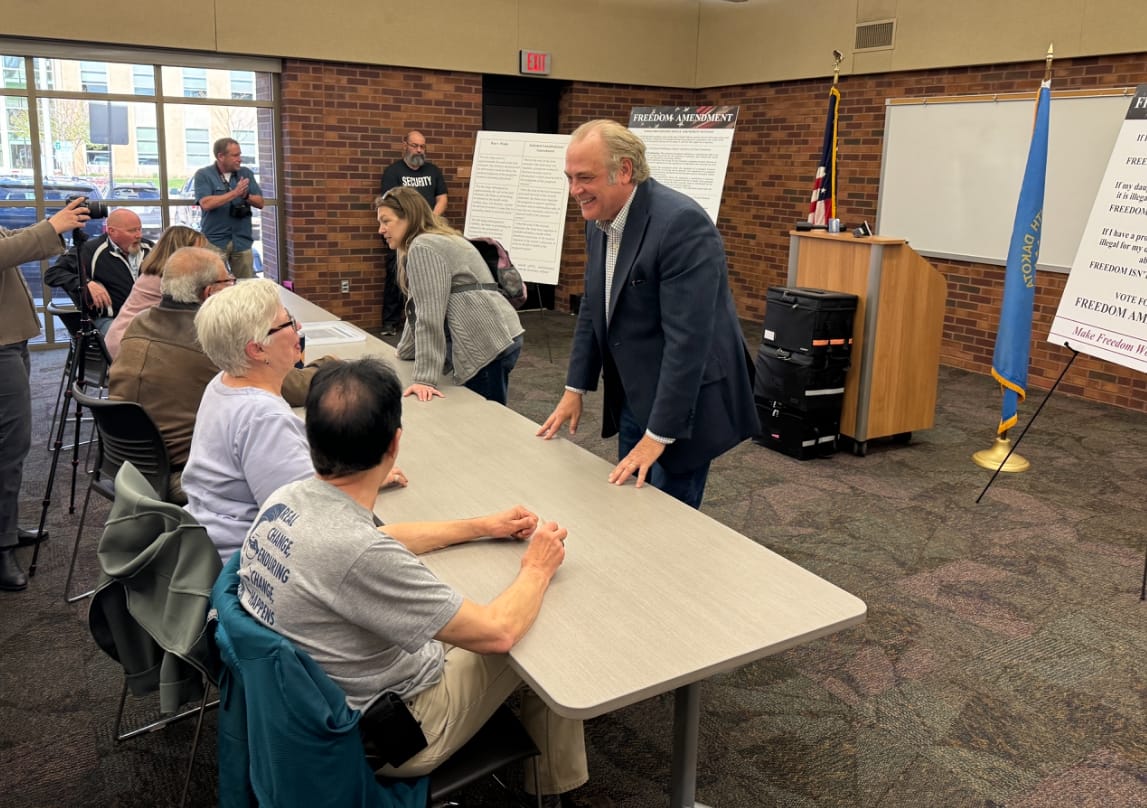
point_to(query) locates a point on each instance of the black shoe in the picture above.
(388, 331)
(28, 538)
(12, 578)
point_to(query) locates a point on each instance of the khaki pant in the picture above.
(472, 687)
(241, 264)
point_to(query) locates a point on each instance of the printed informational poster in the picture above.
(518, 195)
(1103, 311)
(688, 148)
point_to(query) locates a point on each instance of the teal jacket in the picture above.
(286, 735)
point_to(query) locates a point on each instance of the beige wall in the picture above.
(667, 43)
(773, 40)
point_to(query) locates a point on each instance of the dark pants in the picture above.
(689, 486)
(392, 297)
(15, 435)
(493, 381)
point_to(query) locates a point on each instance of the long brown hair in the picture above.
(410, 206)
(172, 239)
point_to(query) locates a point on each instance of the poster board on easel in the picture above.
(1103, 311)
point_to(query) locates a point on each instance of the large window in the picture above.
(131, 131)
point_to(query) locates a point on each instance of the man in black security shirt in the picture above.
(412, 171)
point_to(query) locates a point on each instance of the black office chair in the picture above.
(501, 741)
(126, 434)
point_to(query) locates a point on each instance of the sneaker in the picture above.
(388, 331)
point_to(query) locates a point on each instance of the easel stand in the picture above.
(1027, 426)
(87, 339)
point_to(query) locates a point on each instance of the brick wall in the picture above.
(776, 150)
(343, 124)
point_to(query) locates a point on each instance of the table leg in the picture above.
(686, 722)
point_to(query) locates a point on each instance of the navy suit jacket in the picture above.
(673, 348)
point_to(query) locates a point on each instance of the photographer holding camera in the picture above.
(18, 324)
(99, 273)
(226, 192)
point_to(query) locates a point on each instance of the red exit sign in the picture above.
(536, 63)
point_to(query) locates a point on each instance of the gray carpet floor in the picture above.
(1002, 662)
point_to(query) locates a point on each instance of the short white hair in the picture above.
(188, 272)
(229, 320)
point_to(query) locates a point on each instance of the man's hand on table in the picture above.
(547, 549)
(513, 523)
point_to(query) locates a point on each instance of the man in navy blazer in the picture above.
(668, 343)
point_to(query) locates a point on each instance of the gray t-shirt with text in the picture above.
(316, 569)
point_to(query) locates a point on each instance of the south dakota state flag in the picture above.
(1013, 340)
(822, 206)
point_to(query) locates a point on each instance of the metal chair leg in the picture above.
(195, 743)
(199, 712)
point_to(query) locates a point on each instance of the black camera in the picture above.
(96, 208)
(240, 210)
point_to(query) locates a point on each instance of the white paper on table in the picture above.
(333, 332)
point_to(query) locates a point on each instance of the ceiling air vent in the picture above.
(876, 35)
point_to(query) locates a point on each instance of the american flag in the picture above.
(822, 207)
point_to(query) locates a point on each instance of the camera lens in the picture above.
(96, 208)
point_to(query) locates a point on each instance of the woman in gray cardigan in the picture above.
(455, 312)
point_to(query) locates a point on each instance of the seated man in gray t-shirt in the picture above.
(318, 569)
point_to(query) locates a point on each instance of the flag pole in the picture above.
(822, 203)
(1001, 456)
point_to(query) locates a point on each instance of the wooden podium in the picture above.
(890, 389)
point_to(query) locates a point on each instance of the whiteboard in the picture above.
(952, 169)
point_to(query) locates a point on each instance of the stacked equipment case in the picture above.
(800, 369)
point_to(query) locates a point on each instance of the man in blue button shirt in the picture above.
(227, 192)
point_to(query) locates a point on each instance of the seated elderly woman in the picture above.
(247, 442)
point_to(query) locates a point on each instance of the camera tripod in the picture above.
(88, 349)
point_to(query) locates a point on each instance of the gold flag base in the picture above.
(991, 458)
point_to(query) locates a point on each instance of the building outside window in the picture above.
(147, 146)
(93, 77)
(132, 131)
(194, 82)
(198, 148)
(242, 85)
(143, 79)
